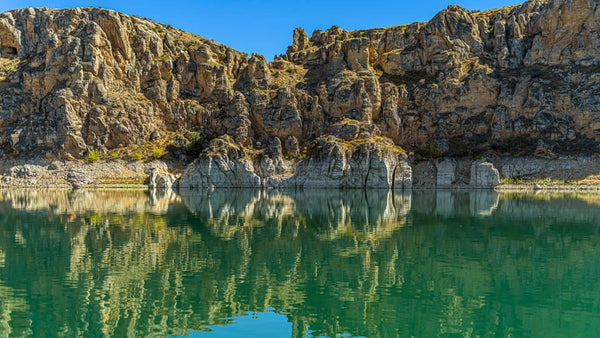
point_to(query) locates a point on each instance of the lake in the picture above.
(251, 263)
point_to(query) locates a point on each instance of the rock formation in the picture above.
(331, 112)
(484, 174)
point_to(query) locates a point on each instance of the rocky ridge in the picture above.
(373, 108)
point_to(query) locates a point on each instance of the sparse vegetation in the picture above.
(431, 150)
(194, 145)
(502, 10)
(379, 142)
(512, 180)
(157, 153)
(162, 58)
(93, 156)
(120, 92)
(8, 67)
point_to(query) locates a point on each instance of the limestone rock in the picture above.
(519, 80)
(446, 171)
(484, 174)
(565, 168)
(27, 171)
(78, 179)
(367, 165)
(160, 179)
(213, 172)
(224, 165)
(403, 176)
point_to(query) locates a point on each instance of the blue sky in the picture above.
(266, 26)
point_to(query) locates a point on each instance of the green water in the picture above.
(299, 264)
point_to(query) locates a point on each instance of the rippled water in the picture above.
(299, 264)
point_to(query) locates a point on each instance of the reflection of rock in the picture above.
(338, 213)
(449, 203)
(377, 212)
(336, 252)
(483, 203)
(160, 199)
(444, 203)
(81, 201)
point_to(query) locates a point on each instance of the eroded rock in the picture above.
(484, 174)
(516, 81)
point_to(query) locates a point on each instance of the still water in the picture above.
(240, 263)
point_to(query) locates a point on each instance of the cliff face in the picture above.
(523, 76)
(82, 79)
(517, 80)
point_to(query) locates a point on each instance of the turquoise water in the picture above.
(299, 264)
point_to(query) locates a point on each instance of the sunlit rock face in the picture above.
(516, 80)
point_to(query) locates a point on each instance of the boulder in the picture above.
(160, 179)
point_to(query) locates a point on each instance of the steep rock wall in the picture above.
(517, 80)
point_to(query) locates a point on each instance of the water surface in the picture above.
(298, 264)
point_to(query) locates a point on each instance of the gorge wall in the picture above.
(339, 108)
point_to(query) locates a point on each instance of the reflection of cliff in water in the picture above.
(332, 213)
(373, 264)
(63, 201)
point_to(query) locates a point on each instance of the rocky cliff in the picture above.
(338, 109)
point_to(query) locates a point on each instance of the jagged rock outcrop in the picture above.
(225, 166)
(359, 164)
(334, 163)
(516, 80)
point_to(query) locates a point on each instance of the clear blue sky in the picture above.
(266, 26)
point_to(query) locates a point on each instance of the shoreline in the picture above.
(547, 188)
(569, 174)
(503, 188)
